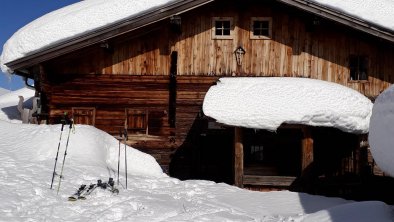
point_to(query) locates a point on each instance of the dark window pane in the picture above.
(226, 25)
(222, 28)
(261, 28)
(218, 32)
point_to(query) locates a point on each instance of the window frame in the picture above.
(136, 113)
(260, 19)
(222, 19)
(362, 63)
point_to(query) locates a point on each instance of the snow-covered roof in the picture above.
(76, 20)
(69, 22)
(268, 102)
(379, 12)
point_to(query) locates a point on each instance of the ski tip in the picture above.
(81, 198)
(72, 199)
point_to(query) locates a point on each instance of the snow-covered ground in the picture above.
(3, 91)
(27, 155)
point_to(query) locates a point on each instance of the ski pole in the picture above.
(57, 154)
(120, 137)
(125, 157)
(64, 156)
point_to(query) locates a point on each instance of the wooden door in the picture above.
(84, 115)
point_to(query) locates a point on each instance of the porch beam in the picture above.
(238, 158)
(307, 148)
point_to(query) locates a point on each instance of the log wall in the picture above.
(114, 96)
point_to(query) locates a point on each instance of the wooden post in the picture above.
(307, 148)
(238, 158)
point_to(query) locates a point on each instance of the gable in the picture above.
(158, 12)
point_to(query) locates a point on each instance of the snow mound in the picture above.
(377, 12)
(381, 133)
(361, 212)
(267, 102)
(88, 146)
(9, 102)
(69, 22)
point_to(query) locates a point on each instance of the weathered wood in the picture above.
(238, 157)
(307, 148)
(281, 181)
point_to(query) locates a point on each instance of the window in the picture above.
(222, 28)
(261, 28)
(137, 121)
(358, 66)
(84, 115)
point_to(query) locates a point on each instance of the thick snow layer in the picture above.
(27, 155)
(68, 22)
(267, 102)
(381, 133)
(9, 102)
(379, 12)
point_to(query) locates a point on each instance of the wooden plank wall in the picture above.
(297, 49)
(111, 95)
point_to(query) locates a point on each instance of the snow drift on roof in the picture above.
(379, 12)
(68, 22)
(267, 102)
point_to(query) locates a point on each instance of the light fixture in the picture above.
(239, 54)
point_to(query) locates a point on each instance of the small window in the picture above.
(84, 115)
(261, 28)
(222, 28)
(358, 66)
(137, 121)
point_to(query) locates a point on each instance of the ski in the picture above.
(89, 190)
(85, 191)
(111, 186)
(77, 194)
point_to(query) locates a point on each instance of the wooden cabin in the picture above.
(149, 74)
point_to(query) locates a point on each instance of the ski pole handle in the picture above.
(125, 134)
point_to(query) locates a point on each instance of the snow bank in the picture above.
(267, 102)
(69, 22)
(361, 212)
(381, 133)
(379, 12)
(9, 102)
(88, 146)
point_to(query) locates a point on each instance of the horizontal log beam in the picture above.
(282, 181)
